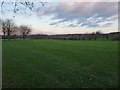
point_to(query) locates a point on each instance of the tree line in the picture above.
(9, 28)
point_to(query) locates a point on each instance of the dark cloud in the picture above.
(72, 25)
(53, 23)
(107, 24)
(86, 14)
(90, 25)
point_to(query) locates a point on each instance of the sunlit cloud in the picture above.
(68, 17)
(85, 13)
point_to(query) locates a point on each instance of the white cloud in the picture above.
(85, 13)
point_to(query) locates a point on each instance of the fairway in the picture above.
(59, 64)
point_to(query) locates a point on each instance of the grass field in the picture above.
(59, 64)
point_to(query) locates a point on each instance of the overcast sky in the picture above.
(66, 17)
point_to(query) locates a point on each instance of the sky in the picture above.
(65, 17)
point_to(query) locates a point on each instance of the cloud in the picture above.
(107, 24)
(53, 23)
(89, 14)
(72, 25)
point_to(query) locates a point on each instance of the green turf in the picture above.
(59, 64)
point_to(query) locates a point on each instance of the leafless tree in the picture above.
(3, 26)
(9, 27)
(24, 30)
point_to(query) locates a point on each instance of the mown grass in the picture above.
(59, 64)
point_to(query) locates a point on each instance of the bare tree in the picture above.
(3, 26)
(9, 27)
(24, 30)
(14, 30)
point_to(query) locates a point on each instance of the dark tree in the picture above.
(98, 32)
(3, 26)
(24, 30)
(10, 27)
